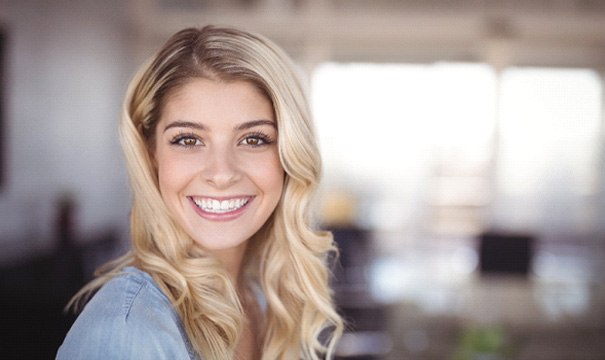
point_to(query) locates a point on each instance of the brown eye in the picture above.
(256, 140)
(252, 141)
(188, 142)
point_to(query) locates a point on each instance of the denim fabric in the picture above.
(128, 318)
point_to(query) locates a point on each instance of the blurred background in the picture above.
(464, 166)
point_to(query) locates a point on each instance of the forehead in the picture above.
(206, 96)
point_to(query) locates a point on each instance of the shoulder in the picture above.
(128, 318)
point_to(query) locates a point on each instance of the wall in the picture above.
(67, 66)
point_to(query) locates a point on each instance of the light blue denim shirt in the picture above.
(128, 318)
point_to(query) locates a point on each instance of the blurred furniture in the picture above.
(505, 253)
(35, 291)
(366, 335)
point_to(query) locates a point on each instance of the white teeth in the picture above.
(219, 207)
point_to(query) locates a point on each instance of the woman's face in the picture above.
(218, 164)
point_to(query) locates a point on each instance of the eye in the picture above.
(189, 142)
(186, 141)
(253, 141)
(256, 140)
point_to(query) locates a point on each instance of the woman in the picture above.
(224, 264)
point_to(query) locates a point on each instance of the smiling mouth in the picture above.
(215, 206)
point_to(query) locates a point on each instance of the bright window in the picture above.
(549, 148)
(456, 148)
(386, 131)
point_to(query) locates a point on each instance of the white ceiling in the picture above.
(506, 32)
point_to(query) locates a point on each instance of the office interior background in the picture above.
(464, 163)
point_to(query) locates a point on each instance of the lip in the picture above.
(225, 216)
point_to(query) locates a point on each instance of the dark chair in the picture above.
(505, 253)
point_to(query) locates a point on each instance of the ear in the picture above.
(150, 145)
(151, 150)
(148, 138)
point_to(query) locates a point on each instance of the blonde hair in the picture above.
(288, 257)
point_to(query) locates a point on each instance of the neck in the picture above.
(232, 260)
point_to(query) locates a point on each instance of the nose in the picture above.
(220, 168)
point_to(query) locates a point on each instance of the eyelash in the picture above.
(177, 140)
(263, 138)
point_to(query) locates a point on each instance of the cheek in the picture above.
(172, 175)
(270, 175)
(265, 172)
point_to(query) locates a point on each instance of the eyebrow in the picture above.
(244, 126)
(185, 124)
(254, 123)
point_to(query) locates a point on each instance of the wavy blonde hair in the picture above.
(288, 257)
